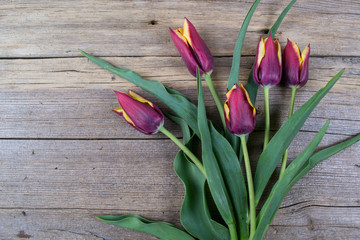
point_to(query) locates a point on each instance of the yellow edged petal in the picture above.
(121, 111)
(140, 98)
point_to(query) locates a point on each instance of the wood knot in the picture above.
(153, 22)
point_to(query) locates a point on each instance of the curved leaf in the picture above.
(234, 180)
(282, 139)
(214, 176)
(176, 101)
(281, 188)
(276, 25)
(195, 216)
(162, 230)
(235, 66)
(322, 155)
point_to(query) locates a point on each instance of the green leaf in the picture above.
(276, 25)
(281, 188)
(235, 66)
(322, 155)
(176, 101)
(162, 230)
(195, 216)
(234, 180)
(282, 139)
(214, 176)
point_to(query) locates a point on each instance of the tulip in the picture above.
(192, 49)
(267, 67)
(240, 114)
(295, 75)
(140, 113)
(296, 65)
(267, 73)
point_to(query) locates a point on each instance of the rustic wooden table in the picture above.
(65, 156)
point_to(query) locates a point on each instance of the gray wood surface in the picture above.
(64, 156)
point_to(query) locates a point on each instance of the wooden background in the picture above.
(64, 156)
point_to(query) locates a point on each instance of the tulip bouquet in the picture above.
(223, 148)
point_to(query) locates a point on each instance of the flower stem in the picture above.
(250, 187)
(267, 116)
(192, 157)
(233, 233)
(215, 95)
(291, 109)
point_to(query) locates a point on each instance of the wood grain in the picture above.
(74, 98)
(64, 156)
(140, 28)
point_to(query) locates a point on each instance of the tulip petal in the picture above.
(185, 51)
(304, 68)
(278, 50)
(122, 113)
(200, 50)
(260, 53)
(291, 66)
(136, 96)
(270, 68)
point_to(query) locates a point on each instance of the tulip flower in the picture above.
(240, 118)
(147, 118)
(267, 73)
(295, 75)
(192, 49)
(240, 114)
(196, 54)
(296, 65)
(267, 67)
(140, 113)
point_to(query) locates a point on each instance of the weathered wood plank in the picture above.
(79, 224)
(139, 28)
(73, 98)
(117, 174)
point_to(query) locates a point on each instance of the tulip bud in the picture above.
(140, 113)
(296, 65)
(192, 49)
(267, 67)
(240, 114)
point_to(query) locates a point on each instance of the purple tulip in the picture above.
(192, 49)
(140, 113)
(267, 67)
(240, 114)
(296, 65)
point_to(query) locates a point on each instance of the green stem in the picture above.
(267, 116)
(250, 187)
(215, 95)
(291, 110)
(233, 233)
(192, 157)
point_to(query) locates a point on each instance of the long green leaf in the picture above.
(234, 180)
(195, 216)
(276, 25)
(214, 176)
(322, 155)
(162, 230)
(282, 139)
(177, 102)
(235, 66)
(280, 189)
